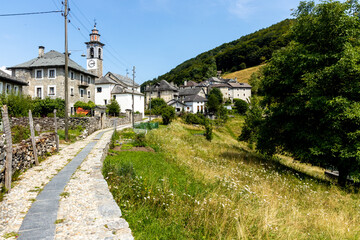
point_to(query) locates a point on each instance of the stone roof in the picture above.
(172, 101)
(104, 80)
(120, 90)
(6, 77)
(190, 84)
(189, 91)
(195, 98)
(221, 85)
(51, 59)
(126, 80)
(239, 85)
(163, 85)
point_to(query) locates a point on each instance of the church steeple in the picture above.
(95, 53)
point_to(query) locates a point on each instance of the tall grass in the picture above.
(222, 190)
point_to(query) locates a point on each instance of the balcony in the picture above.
(83, 84)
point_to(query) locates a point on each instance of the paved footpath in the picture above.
(74, 201)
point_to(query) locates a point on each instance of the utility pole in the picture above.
(150, 102)
(132, 112)
(66, 74)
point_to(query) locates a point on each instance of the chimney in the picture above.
(41, 51)
(185, 83)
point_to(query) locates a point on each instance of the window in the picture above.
(39, 92)
(99, 89)
(81, 78)
(71, 91)
(88, 94)
(81, 92)
(38, 73)
(91, 52)
(99, 53)
(105, 101)
(114, 96)
(52, 73)
(1, 87)
(88, 80)
(8, 88)
(52, 90)
(72, 75)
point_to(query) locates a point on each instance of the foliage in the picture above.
(86, 106)
(196, 189)
(208, 130)
(253, 121)
(139, 140)
(248, 51)
(113, 108)
(191, 118)
(215, 100)
(255, 82)
(45, 107)
(241, 106)
(114, 137)
(167, 114)
(18, 105)
(156, 106)
(19, 133)
(312, 87)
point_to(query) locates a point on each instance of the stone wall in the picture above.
(23, 153)
(91, 124)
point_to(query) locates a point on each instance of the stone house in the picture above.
(46, 77)
(240, 91)
(163, 90)
(179, 106)
(9, 84)
(195, 104)
(118, 87)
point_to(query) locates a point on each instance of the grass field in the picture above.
(243, 76)
(194, 189)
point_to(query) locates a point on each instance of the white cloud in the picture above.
(241, 8)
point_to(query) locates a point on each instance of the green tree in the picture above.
(113, 108)
(167, 114)
(312, 87)
(156, 105)
(241, 106)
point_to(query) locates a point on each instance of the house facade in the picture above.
(11, 85)
(118, 87)
(163, 90)
(195, 104)
(46, 78)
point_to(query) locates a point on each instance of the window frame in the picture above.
(42, 91)
(6, 88)
(97, 89)
(51, 69)
(42, 73)
(89, 94)
(81, 93)
(51, 86)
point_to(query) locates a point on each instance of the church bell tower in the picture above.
(94, 61)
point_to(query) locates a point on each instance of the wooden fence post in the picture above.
(31, 122)
(9, 150)
(56, 133)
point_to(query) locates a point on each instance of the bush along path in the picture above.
(65, 197)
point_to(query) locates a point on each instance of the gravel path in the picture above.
(86, 208)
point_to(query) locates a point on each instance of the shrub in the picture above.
(208, 130)
(167, 114)
(241, 106)
(19, 133)
(113, 108)
(191, 118)
(139, 140)
(115, 136)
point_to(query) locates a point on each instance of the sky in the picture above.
(153, 35)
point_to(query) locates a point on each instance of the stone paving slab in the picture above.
(96, 221)
(44, 227)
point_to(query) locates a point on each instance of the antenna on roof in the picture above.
(94, 22)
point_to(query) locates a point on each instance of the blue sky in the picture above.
(153, 35)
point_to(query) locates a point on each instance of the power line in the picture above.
(24, 14)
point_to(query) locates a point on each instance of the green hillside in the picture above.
(248, 51)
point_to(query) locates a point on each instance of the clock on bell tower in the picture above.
(94, 62)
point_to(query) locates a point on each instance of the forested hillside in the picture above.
(248, 51)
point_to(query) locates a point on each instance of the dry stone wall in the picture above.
(23, 155)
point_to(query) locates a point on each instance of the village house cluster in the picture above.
(44, 76)
(192, 97)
